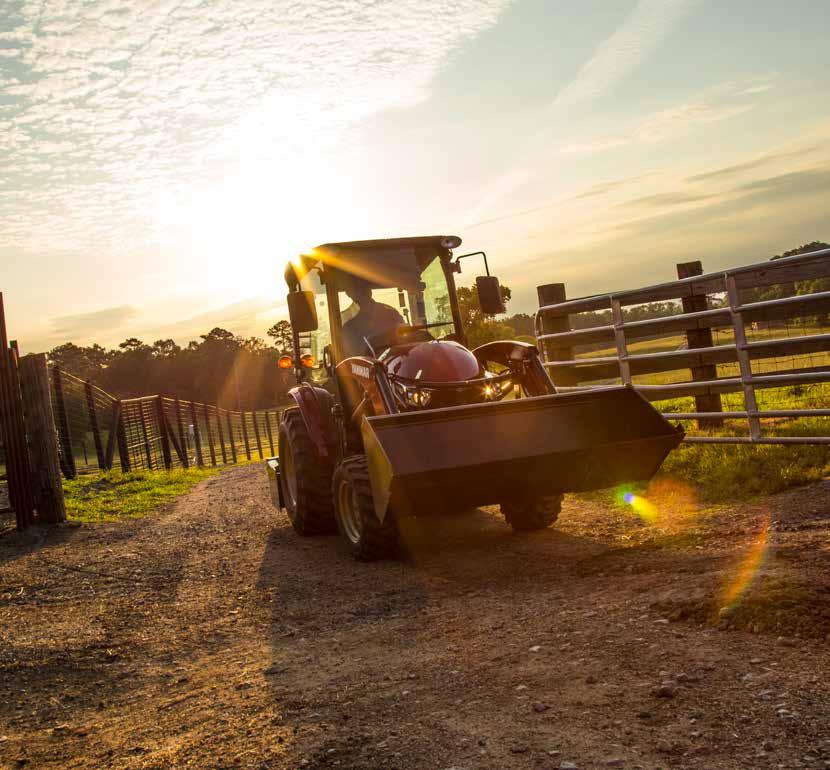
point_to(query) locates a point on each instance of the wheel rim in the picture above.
(348, 514)
(290, 475)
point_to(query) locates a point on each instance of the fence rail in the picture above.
(699, 294)
(97, 430)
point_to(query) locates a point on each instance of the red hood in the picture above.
(437, 361)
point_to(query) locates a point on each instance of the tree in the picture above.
(282, 335)
(165, 349)
(133, 345)
(219, 336)
(781, 290)
(84, 362)
(479, 327)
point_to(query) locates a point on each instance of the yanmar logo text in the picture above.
(361, 371)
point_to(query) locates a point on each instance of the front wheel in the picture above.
(532, 514)
(306, 479)
(367, 537)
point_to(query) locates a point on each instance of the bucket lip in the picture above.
(522, 404)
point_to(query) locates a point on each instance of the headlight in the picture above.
(417, 397)
(496, 389)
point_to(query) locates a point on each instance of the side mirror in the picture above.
(489, 295)
(302, 311)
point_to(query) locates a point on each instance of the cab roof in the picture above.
(382, 244)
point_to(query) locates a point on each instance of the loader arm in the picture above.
(523, 361)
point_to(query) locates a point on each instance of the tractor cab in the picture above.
(383, 297)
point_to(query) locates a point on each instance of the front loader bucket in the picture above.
(482, 454)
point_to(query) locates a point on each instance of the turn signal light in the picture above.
(308, 361)
(285, 362)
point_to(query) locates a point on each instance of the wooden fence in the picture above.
(724, 303)
(27, 436)
(98, 431)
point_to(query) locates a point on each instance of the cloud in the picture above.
(759, 89)
(85, 324)
(714, 106)
(733, 206)
(245, 317)
(751, 165)
(642, 31)
(737, 225)
(792, 184)
(118, 109)
(599, 189)
(660, 200)
(607, 187)
(615, 57)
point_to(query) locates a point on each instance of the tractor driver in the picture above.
(374, 319)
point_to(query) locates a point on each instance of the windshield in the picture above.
(316, 342)
(371, 314)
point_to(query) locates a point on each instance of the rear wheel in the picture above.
(368, 538)
(535, 513)
(306, 479)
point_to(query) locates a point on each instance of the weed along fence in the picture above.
(98, 431)
(761, 332)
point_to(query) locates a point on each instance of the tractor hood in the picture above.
(436, 360)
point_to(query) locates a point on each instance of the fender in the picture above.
(315, 406)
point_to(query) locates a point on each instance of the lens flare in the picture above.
(646, 510)
(667, 502)
(748, 569)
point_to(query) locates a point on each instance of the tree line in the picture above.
(220, 368)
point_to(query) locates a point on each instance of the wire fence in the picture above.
(97, 431)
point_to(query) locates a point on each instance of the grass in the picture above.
(728, 472)
(738, 471)
(113, 495)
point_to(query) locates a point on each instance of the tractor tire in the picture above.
(368, 538)
(306, 479)
(534, 514)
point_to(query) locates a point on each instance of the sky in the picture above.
(160, 161)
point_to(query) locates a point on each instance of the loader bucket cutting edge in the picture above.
(484, 454)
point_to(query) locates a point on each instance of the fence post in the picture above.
(270, 433)
(63, 426)
(256, 434)
(93, 423)
(701, 338)
(209, 434)
(221, 435)
(47, 488)
(231, 438)
(165, 438)
(182, 438)
(197, 439)
(551, 294)
(123, 449)
(12, 430)
(245, 437)
(112, 439)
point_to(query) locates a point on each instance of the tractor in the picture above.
(394, 415)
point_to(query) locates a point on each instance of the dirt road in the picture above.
(210, 635)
